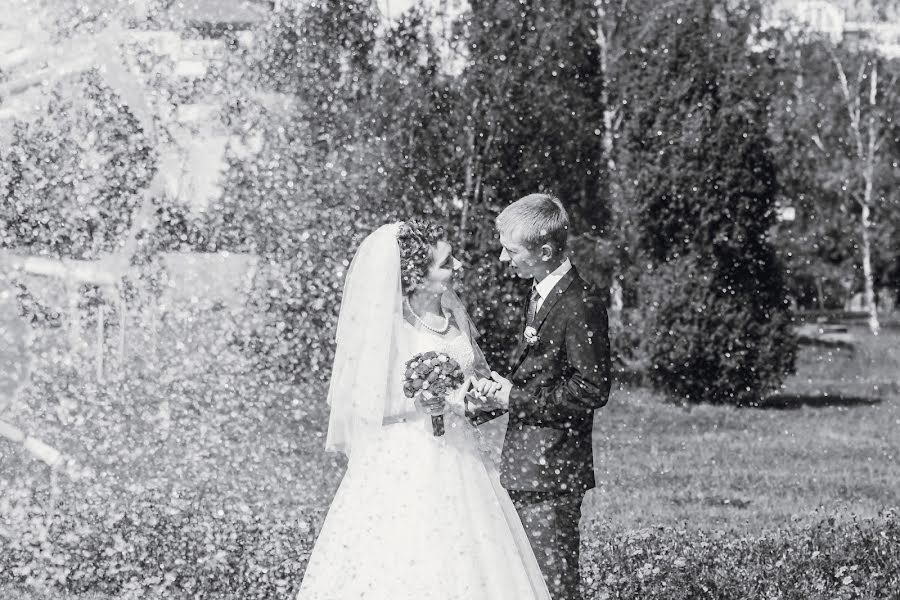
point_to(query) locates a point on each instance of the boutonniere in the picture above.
(531, 336)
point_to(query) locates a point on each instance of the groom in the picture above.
(560, 376)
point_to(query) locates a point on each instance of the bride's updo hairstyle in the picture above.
(417, 239)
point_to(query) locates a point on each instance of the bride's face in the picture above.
(443, 269)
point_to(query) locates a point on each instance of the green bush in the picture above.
(156, 547)
(164, 547)
(101, 159)
(828, 560)
(705, 341)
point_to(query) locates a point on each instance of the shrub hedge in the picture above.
(192, 548)
(831, 559)
(160, 548)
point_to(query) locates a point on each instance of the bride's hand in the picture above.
(476, 399)
(435, 406)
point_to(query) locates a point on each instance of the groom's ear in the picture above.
(547, 252)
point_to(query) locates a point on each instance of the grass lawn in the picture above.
(828, 444)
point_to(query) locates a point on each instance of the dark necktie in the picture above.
(533, 304)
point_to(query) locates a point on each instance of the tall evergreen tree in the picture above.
(506, 104)
(716, 324)
(534, 73)
(531, 93)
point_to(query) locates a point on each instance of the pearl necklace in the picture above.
(440, 331)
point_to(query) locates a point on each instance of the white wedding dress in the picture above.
(419, 517)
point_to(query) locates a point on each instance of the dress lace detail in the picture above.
(414, 341)
(458, 347)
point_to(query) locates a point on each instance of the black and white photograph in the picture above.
(449, 299)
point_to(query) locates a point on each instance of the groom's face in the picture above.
(523, 261)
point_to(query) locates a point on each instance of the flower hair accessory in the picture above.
(531, 336)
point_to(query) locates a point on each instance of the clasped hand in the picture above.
(488, 394)
(483, 394)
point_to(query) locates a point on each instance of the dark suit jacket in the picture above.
(557, 385)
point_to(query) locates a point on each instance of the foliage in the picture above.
(154, 547)
(859, 559)
(303, 210)
(720, 326)
(186, 459)
(311, 184)
(70, 179)
(165, 547)
(530, 95)
(242, 444)
(422, 152)
(179, 476)
(344, 121)
(708, 340)
(532, 86)
(823, 180)
(189, 411)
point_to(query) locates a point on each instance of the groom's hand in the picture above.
(478, 394)
(502, 387)
(485, 387)
(495, 390)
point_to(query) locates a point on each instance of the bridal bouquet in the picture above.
(432, 375)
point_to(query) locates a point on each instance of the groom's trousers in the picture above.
(551, 522)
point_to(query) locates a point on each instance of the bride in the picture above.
(416, 517)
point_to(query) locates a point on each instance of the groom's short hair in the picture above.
(536, 219)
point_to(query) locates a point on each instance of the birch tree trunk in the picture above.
(608, 144)
(865, 217)
(469, 185)
(866, 148)
(869, 291)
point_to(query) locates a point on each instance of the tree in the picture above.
(535, 75)
(516, 111)
(835, 125)
(70, 179)
(819, 253)
(854, 157)
(454, 138)
(624, 28)
(712, 305)
(305, 198)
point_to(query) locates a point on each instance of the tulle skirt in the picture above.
(422, 518)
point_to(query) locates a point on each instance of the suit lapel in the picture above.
(549, 302)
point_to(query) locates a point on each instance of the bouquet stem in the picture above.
(437, 425)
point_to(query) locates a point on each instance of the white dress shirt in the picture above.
(549, 282)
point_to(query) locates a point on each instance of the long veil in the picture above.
(368, 341)
(451, 301)
(492, 432)
(371, 312)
